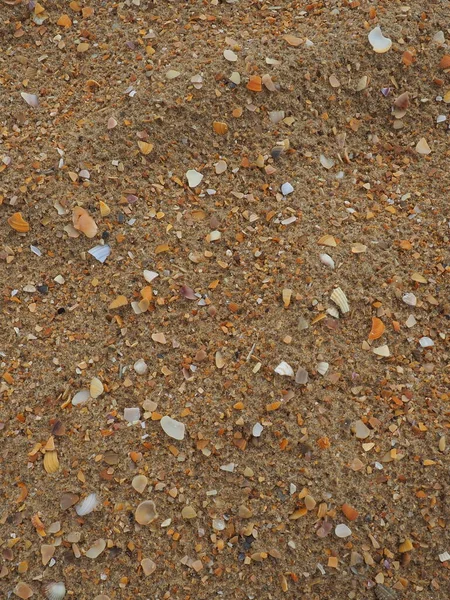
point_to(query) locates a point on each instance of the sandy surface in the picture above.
(130, 97)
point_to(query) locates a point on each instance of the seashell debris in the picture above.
(87, 505)
(379, 43)
(340, 299)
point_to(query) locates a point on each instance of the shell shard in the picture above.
(379, 43)
(172, 428)
(82, 221)
(146, 512)
(284, 369)
(18, 223)
(87, 505)
(96, 549)
(56, 590)
(327, 260)
(340, 299)
(377, 329)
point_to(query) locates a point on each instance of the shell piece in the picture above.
(139, 483)
(327, 240)
(87, 505)
(422, 147)
(146, 512)
(140, 366)
(301, 377)
(149, 276)
(96, 388)
(327, 163)
(340, 299)
(30, 99)
(51, 462)
(384, 593)
(327, 260)
(255, 83)
(148, 566)
(100, 252)
(230, 55)
(23, 590)
(379, 43)
(220, 128)
(96, 549)
(410, 299)
(172, 428)
(56, 590)
(18, 223)
(111, 123)
(382, 351)
(377, 330)
(145, 147)
(286, 189)
(284, 369)
(257, 430)
(81, 397)
(322, 368)
(194, 178)
(82, 221)
(342, 531)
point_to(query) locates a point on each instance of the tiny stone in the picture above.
(188, 512)
(361, 430)
(342, 531)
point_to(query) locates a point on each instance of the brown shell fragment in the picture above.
(82, 221)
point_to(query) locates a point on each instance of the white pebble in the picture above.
(286, 189)
(342, 531)
(141, 367)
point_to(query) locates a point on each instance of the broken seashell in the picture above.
(194, 178)
(145, 147)
(30, 99)
(301, 377)
(327, 240)
(340, 299)
(87, 505)
(379, 43)
(23, 590)
(276, 116)
(426, 342)
(410, 299)
(132, 415)
(172, 428)
(382, 351)
(56, 590)
(100, 252)
(149, 276)
(220, 128)
(422, 147)
(146, 512)
(81, 397)
(257, 430)
(284, 369)
(327, 260)
(286, 189)
(342, 531)
(255, 84)
(96, 549)
(82, 221)
(51, 462)
(322, 368)
(230, 55)
(139, 483)
(18, 223)
(96, 388)
(118, 302)
(111, 123)
(104, 209)
(402, 102)
(148, 566)
(327, 163)
(377, 330)
(140, 366)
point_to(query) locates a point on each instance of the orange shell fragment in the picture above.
(377, 330)
(255, 84)
(18, 223)
(220, 128)
(82, 221)
(350, 512)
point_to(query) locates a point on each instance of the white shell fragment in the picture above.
(56, 590)
(257, 429)
(422, 147)
(81, 397)
(140, 366)
(30, 99)
(230, 55)
(87, 505)
(342, 531)
(146, 512)
(322, 368)
(426, 342)
(174, 429)
(327, 260)
(139, 483)
(96, 549)
(340, 299)
(382, 351)
(444, 556)
(286, 189)
(327, 163)
(100, 252)
(194, 178)
(379, 43)
(410, 299)
(149, 276)
(132, 414)
(284, 369)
